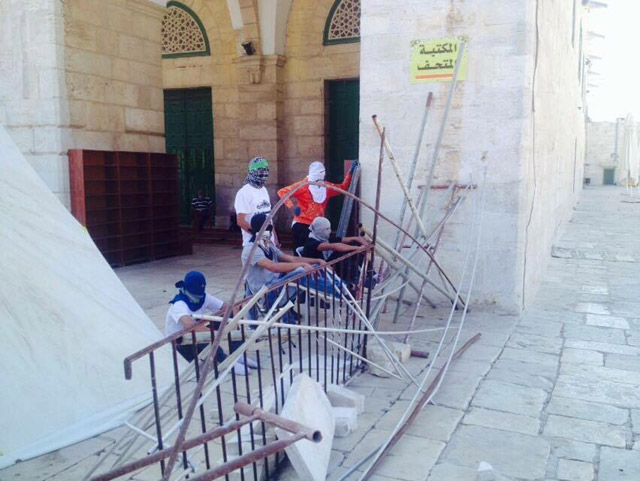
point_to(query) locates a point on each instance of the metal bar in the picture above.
(347, 206)
(189, 444)
(414, 162)
(278, 421)
(248, 458)
(443, 124)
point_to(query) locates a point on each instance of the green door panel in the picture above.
(343, 97)
(189, 134)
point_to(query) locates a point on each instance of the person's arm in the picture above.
(283, 267)
(241, 219)
(359, 240)
(285, 190)
(336, 247)
(306, 260)
(188, 321)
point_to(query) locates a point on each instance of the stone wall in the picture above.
(114, 74)
(601, 149)
(80, 74)
(309, 63)
(554, 136)
(268, 105)
(32, 89)
(492, 112)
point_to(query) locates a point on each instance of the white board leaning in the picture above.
(66, 324)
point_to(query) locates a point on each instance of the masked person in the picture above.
(191, 300)
(323, 244)
(253, 197)
(269, 265)
(311, 201)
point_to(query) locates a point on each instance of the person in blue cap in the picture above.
(191, 300)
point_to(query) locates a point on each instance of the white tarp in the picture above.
(628, 169)
(66, 324)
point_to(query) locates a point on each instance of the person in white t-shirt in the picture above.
(253, 197)
(193, 300)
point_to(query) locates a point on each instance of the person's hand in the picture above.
(354, 166)
(306, 267)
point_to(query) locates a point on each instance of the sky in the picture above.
(618, 91)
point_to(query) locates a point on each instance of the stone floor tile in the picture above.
(520, 376)
(452, 472)
(518, 455)
(592, 308)
(569, 470)
(569, 449)
(599, 372)
(587, 410)
(602, 347)
(502, 420)
(635, 421)
(619, 465)
(595, 334)
(458, 390)
(607, 321)
(512, 398)
(410, 459)
(581, 356)
(599, 391)
(433, 422)
(524, 355)
(586, 431)
(550, 345)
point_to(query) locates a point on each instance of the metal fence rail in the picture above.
(319, 348)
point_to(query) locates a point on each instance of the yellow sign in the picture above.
(435, 60)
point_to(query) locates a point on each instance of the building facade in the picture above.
(221, 81)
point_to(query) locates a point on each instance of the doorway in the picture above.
(343, 132)
(608, 177)
(188, 120)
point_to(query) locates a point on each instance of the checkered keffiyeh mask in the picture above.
(258, 172)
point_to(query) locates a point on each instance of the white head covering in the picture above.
(320, 229)
(316, 174)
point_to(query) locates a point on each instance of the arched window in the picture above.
(183, 34)
(343, 23)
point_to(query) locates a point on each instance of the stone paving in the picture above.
(552, 396)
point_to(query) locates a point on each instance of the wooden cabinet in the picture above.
(128, 201)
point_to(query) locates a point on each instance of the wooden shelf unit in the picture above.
(128, 201)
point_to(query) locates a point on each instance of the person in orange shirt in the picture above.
(311, 201)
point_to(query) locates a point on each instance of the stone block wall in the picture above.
(218, 71)
(114, 74)
(492, 112)
(601, 149)
(554, 136)
(265, 105)
(309, 64)
(80, 74)
(32, 86)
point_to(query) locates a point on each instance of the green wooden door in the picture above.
(189, 134)
(343, 98)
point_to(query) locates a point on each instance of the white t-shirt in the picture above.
(178, 309)
(250, 200)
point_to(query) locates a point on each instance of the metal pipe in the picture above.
(283, 423)
(414, 162)
(396, 170)
(164, 453)
(249, 458)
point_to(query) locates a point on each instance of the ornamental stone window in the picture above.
(343, 23)
(183, 34)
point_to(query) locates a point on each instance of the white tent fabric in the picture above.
(66, 324)
(628, 170)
